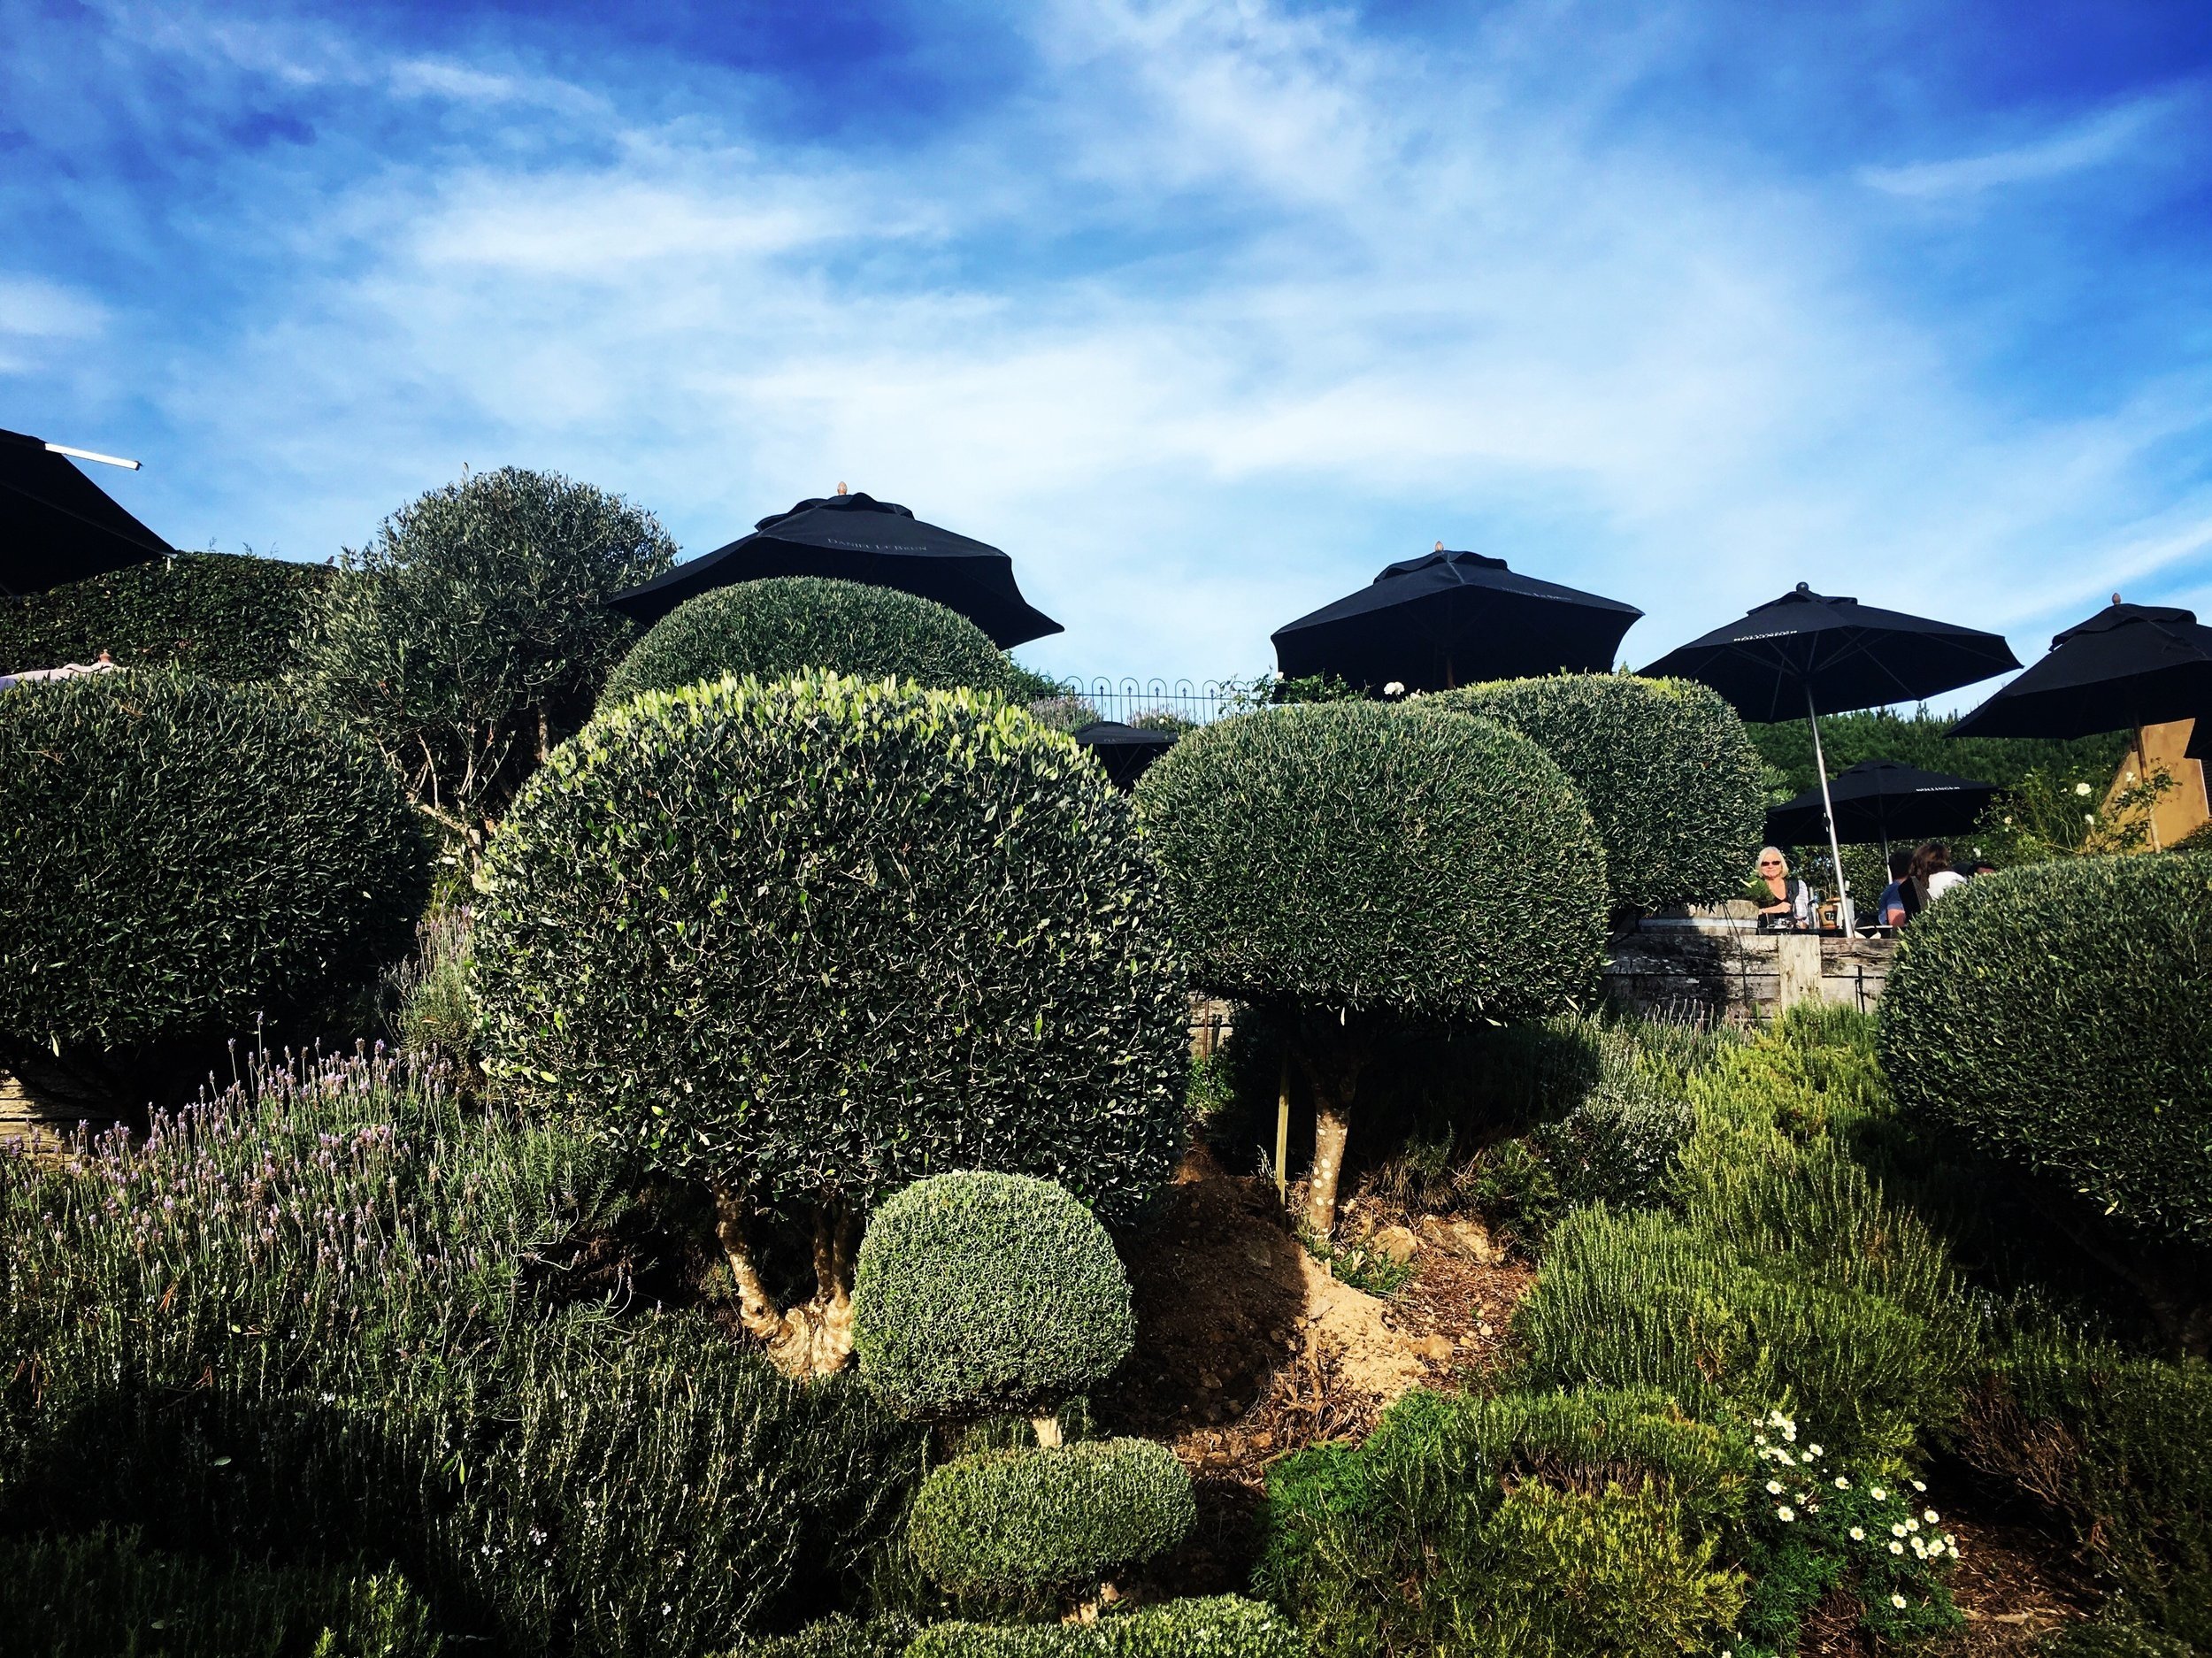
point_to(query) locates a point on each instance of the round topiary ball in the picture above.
(1363, 855)
(2059, 1016)
(177, 856)
(1006, 1522)
(784, 624)
(813, 940)
(980, 1295)
(1665, 766)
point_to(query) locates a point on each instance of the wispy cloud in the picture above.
(2075, 148)
(1219, 310)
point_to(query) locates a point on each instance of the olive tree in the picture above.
(1356, 862)
(808, 941)
(470, 633)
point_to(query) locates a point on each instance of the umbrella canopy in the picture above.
(857, 538)
(57, 526)
(1884, 800)
(1844, 654)
(2126, 666)
(2200, 747)
(1124, 750)
(1450, 619)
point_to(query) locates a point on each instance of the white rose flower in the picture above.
(2081, 788)
(1396, 687)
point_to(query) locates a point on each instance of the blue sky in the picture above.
(1204, 312)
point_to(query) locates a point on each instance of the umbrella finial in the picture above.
(1804, 586)
(1439, 547)
(2115, 598)
(840, 486)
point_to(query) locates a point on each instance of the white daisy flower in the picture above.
(1929, 1515)
(1858, 1534)
(1879, 1494)
(1896, 1548)
(1813, 1450)
(1786, 1513)
(1919, 1486)
(1842, 1484)
(1774, 1488)
(1897, 1531)
(1898, 1600)
(1912, 1525)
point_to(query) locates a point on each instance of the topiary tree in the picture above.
(980, 1294)
(2058, 1018)
(1353, 863)
(808, 942)
(1665, 766)
(225, 616)
(470, 633)
(178, 855)
(1033, 1520)
(774, 628)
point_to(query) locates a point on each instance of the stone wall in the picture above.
(1719, 968)
(42, 1107)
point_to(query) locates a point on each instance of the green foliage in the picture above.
(837, 1637)
(784, 626)
(1024, 685)
(469, 633)
(2115, 1442)
(223, 616)
(1785, 1275)
(436, 1001)
(1217, 1626)
(1357, 855)
(2117, 1639)
(977, 1294)
(177, 856)
(103, 1594)
(1918, 740)
(1547, 1523)
(818, 939)
(2059, 1018)
(325, 1314)
(1671, 779)
(1363, 1267)
(1042, 1518)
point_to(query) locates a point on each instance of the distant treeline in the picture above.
(1917, 739)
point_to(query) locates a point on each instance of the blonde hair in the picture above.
(1781, 857)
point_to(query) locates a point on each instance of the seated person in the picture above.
(1785, 903)
(1933, 875)
(1901, 900)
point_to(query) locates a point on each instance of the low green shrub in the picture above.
(1021, 1521)
(812, 941)
(1671, 776)
(1357, 864)
(2117, 1639)
(1217, 1626)
(100, 1595)
(221, 616)
(787, 625)
(835, 1637)
(2059, 1018)
(979, 1294)
(177, 857)
(1576, 1519)
(1785, 1274)
(2115, 1442)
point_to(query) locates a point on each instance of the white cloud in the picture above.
(2091, 143)
(1227, 311)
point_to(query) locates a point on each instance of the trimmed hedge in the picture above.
(177, 856)
(1006, 1521)
(226, 616)
(1365, 856)
(786, 624)
(817, 939)
(2059, 1018)
(1217, 1626)
(1665, 766)
(978, 1295)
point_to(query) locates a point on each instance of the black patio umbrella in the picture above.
(56, 525)
(2128, 666)
(1450, 619)
(1805, 653)
(2199, 749)
(857, 538)
(1124, 750)
(1883, 801)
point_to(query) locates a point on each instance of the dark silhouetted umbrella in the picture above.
(1450, 619)
(1125, 750)
(857, 538)
(2199, 749)
(1806, 654)
(57, 526)
(2128, 666)
(1883, 801)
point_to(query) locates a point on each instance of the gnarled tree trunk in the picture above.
(815, 1337)
(1332, 1050)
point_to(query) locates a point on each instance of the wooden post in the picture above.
(1797, 964)
(1282, 1133)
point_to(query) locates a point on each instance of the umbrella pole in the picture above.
(1828, 806)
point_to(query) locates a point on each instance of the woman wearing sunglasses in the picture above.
(1785, 903)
